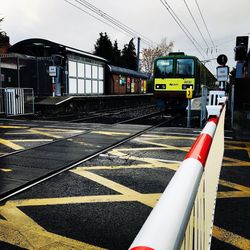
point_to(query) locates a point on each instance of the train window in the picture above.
(185, 68)
(164, 68)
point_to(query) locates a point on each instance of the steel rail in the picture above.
(74, 164)
(110, 113)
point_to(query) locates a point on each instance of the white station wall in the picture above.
(85, 78)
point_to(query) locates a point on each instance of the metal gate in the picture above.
(16, 101)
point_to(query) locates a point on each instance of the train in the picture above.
(174, 74)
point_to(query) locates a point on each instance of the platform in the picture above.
(51, 106)
(58, 100)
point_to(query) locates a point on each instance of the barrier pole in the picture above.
(189, 114)
(166, 225)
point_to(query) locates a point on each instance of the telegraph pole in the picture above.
(138, 53)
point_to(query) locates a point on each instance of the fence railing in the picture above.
(16, 101)
(183, 217)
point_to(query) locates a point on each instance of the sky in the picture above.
(61, 22)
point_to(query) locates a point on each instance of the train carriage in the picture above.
(175, 73)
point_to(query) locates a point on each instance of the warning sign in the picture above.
(189, 93)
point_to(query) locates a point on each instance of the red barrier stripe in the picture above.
(142, 248)
(214, 119)
(200, 148)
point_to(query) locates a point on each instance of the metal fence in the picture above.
(16, 101)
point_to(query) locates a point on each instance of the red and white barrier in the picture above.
(166, 225)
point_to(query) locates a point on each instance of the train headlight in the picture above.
(187, 86)
(160, 86)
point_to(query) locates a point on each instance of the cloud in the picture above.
(60, 22)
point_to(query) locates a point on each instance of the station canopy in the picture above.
(38, 47)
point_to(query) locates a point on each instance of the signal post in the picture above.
(189, 96)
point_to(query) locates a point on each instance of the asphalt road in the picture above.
(103, 203)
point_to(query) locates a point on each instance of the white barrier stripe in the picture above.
(161, 230)
(209, 129)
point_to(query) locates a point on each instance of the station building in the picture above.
(53, 69)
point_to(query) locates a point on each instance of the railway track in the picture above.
(144, 116)
(86, 116)
(115, 115)
(44, 151)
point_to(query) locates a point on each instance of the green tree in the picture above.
(116, 55)
(128, 58)
(103, 47)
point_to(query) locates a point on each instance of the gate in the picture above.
(16, 101)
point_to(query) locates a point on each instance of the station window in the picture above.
(88, 87)
(100, 87)
(80, 70)
(81, 87)
(85, 77)
(94, 72)
(88, 71)
(95, 87)
(72, 68)
(72, 86)
(100, 73)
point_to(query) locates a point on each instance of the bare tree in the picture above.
(149, 54)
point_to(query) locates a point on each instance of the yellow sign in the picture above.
(189, 93)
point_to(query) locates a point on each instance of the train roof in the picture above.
(127, 72)
(177, 55)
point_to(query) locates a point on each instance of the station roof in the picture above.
(39, 47)
(127, 72)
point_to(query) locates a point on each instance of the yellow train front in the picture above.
(174, 74)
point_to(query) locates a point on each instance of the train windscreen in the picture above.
(185, 67)
(164, 68)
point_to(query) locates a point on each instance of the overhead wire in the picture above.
(196, 44)
(109, 20)
(183, 27)
(116, 24)
(214, 50)
(93, 16)
(195, 22)
(113, 20)
(204, 22)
